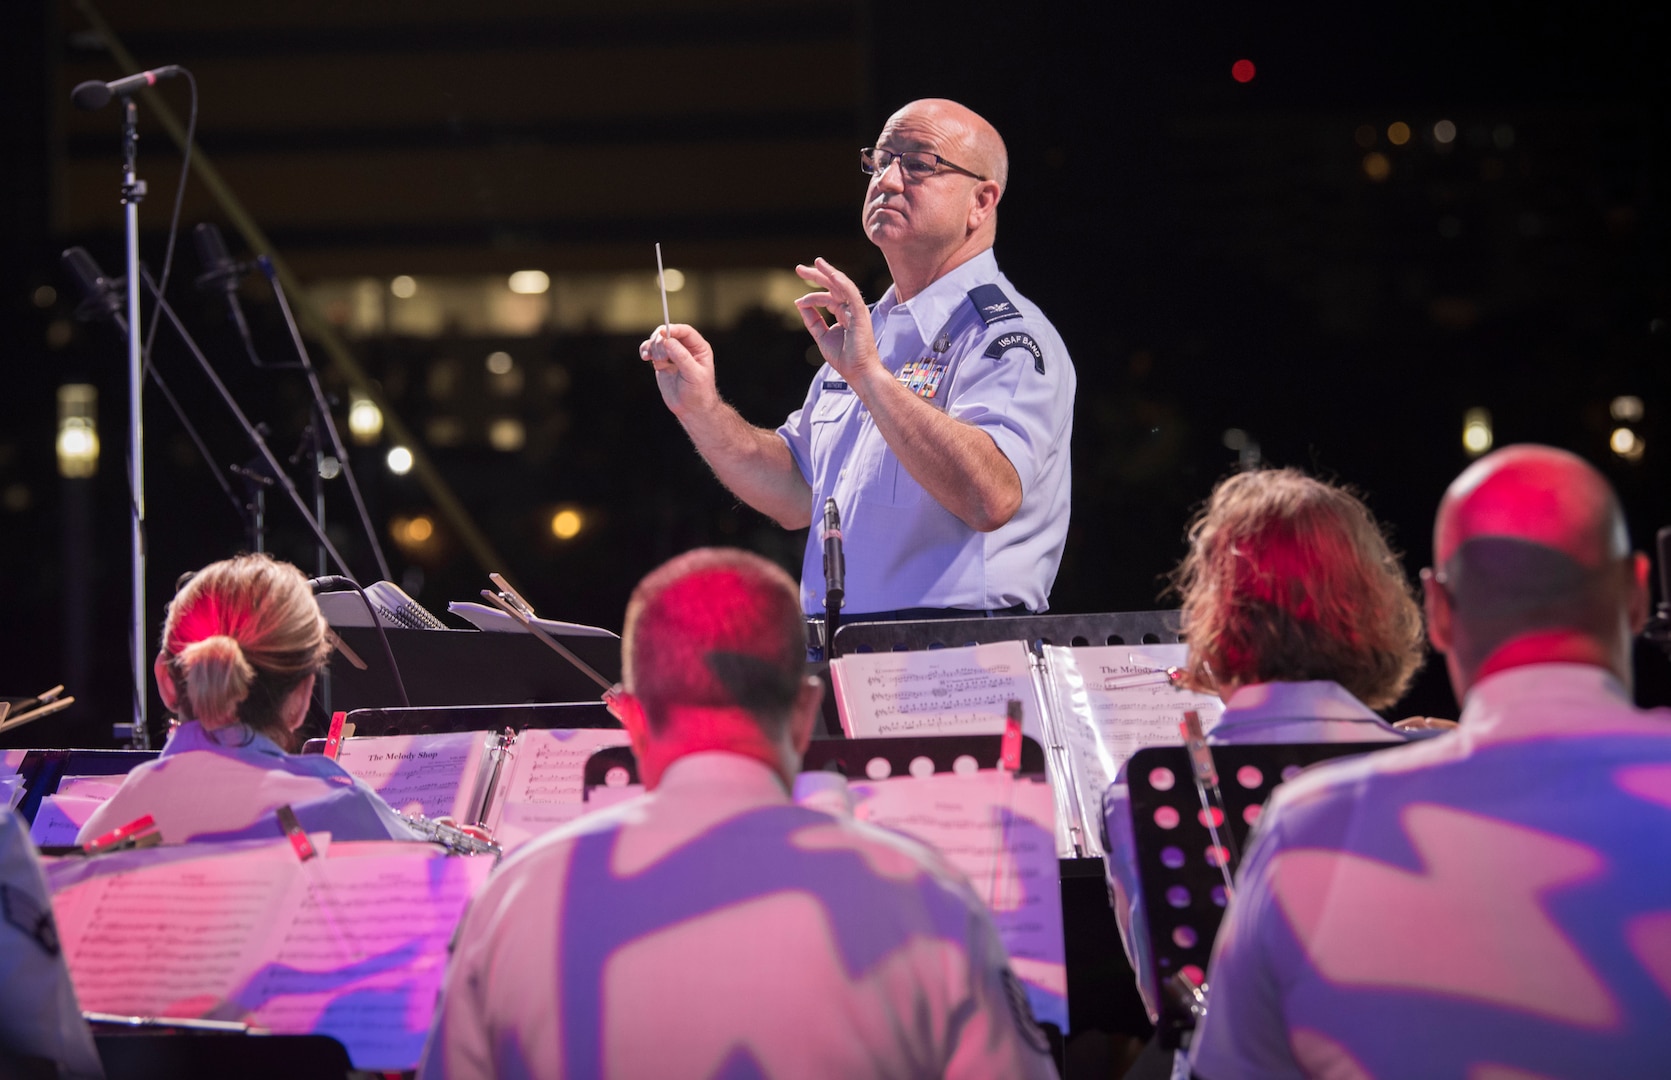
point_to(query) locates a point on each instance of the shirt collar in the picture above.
(932, 308)
(1550, 700)
(236, 740)
(1317, 699)
(739, 778)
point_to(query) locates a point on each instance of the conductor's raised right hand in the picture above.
(684, 363)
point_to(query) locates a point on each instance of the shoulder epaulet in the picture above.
(992, 304)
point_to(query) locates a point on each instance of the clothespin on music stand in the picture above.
(294, 832)
(138, 833)
(340, 730)
(508, 600)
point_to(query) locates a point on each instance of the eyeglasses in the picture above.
(916, 165)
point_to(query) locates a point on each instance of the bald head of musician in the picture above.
(1532, 565)
(714, 659)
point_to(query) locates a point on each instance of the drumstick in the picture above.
(661, 279)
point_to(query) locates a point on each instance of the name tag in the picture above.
(833, 384)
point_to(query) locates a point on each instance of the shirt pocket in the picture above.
(829, 415)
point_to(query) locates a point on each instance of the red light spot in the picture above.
(1242, 71)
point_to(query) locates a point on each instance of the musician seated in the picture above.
(241, 645)
(713, 928)
(41, 1029)
(1300, 617)
(1492, 903)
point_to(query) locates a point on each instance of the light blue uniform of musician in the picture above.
(226, 785)
(39, 1016)
(1002, 368)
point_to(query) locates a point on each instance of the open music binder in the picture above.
(352, 944)
(517, 784)
(1091, 706)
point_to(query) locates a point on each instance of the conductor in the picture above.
(940, 420)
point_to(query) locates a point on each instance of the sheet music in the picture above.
(959, 691)
(61, 817)
(544, 786)
(364, 954)
(1104, 726)
(432, 775)
(172, 939)
(1000, 832)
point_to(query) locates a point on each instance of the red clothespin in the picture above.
(1009, 755)
(333, 740)
(294, 832)
(140, 832)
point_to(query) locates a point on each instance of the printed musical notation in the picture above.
(960, 691)
(1104, 725)
(551, 763)
(999, 832)
(432, 775)
(351, 945)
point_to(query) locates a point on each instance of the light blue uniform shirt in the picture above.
(39, 1016)
(225, 786)
(1491, 902)
(903, 549)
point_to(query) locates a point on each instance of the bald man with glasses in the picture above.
(940, 420)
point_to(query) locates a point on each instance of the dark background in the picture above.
(1213, 253)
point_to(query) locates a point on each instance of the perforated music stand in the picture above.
(1103, 628)
(1183, 890)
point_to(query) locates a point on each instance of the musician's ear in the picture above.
(164, 671)
(630, 711)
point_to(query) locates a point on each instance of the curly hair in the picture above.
(1289, 579)
(240, 635)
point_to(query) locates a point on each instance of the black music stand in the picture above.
(1183, 892)
(1104, 628)
(467, 667)
(436, 719)
(152, 1054)
(43, 769)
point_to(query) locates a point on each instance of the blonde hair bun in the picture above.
(217, 678)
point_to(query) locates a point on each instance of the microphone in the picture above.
(94, 94)
(102, 295)
(221, 272)
(1662, 540)
(835, 563)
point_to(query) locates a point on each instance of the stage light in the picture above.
(1398, 133)
(1235, 438)
(673, 279)
(567, 523)
(404, 287)
(1627, 408)
(1477, 435)
(45, 296)
(1243, 71)
(78, 431)
(530, 282)
(365, 421)
(1444, 132)
(506, 434)
(500, 363)
(1627, 444)
(1376, 166)
(400, 461)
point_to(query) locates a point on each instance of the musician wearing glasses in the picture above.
(940, 420)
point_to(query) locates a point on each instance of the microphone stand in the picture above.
(250, 431)
(133, 192)
(325, 420)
